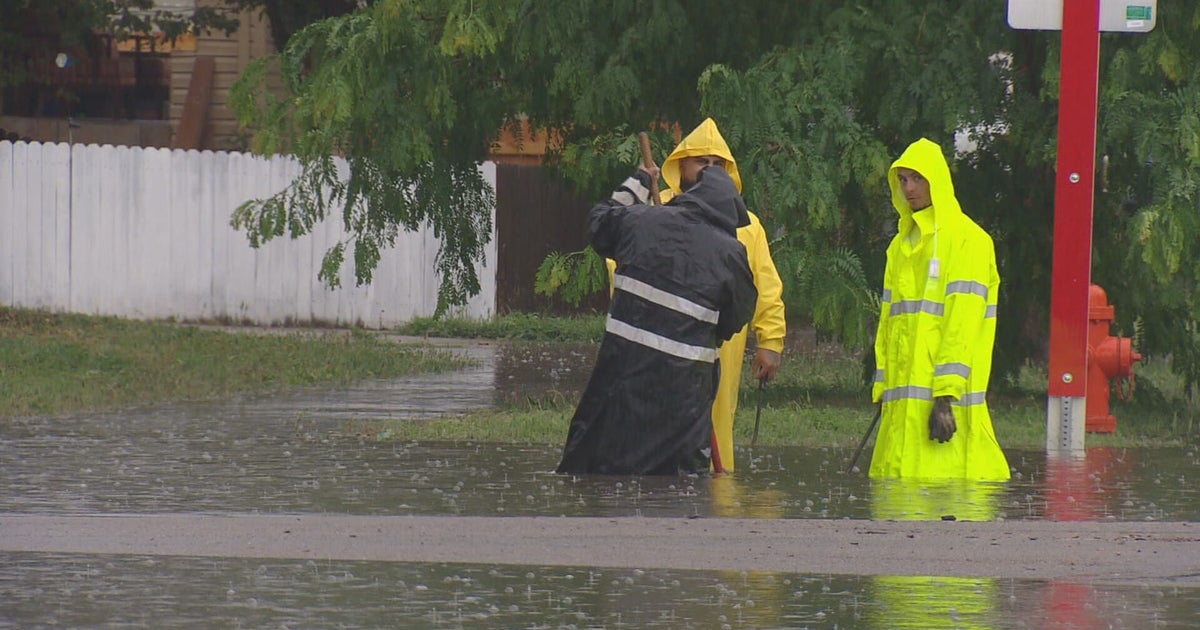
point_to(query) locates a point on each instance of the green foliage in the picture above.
(372, 86)
(832, 285)
(413, 93)
(596, 163)
(574, 276)
(816, 124)
(815, 102)
(1146, 254)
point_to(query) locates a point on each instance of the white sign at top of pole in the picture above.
(1116, 16)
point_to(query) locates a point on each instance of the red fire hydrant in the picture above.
(1108, 358)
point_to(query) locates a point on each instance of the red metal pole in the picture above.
(1073, 197)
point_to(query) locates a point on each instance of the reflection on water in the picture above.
(919, 602)
(933, 602)
(87, 591)
(499, 374)
(935, 499)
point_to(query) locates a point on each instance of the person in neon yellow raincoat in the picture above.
(705, 146)
(937, 326)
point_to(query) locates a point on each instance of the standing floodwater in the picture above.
(287, 453)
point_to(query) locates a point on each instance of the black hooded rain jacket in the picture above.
(682, 286)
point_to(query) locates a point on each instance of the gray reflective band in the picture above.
(635, 185)
(878, 376)
(952, 369)
(887, 295)
(900, 393)
(926, 393)
(662, 298)
(974, 398)
(990, 311)
(660, 343)
(624, 197)
(915, 306)
(631, 191)
(967, 286)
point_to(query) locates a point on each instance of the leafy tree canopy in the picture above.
(413, 93)
(815, 98)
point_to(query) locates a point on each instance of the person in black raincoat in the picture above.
(682, 286)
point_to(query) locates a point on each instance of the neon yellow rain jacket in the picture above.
(936, 330)
(768, 322)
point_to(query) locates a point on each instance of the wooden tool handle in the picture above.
(648, 162)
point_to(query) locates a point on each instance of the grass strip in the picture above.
(513, 326)
(1017, 426)
(819, 399)
(54, 363)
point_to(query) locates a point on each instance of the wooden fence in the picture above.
(145, 234)
(536, 214)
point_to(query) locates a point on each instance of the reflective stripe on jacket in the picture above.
(682, 285)
(768, 322)
(937, 326)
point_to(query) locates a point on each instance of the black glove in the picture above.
(941, 420)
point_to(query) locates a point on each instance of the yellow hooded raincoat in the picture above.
(937, 327)
(768, 321)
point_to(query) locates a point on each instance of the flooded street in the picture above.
(287, 454)
(255, 594)
(92, 591)
(212, 464)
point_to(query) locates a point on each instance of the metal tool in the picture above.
(762, 386)
(863, 443)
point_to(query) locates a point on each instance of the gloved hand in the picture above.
(635, 189)
(941, 420)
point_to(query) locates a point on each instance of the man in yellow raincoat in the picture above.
(937, 326)
(705, 146)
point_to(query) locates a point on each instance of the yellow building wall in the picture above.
(230, 53)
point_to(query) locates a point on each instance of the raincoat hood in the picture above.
(925, 157)
(936, 334)
(703, 140)
(717, 193)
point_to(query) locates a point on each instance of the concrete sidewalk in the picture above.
(1092, 551)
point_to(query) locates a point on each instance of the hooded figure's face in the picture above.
(915, 188)
(690, 167)
(926, 182)
(715, 187)
(704, 146)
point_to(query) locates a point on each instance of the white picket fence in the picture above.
(145, 234)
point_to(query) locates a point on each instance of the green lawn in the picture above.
(58, 363)
(818, 399)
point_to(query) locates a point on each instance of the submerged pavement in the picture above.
(1119, 552)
